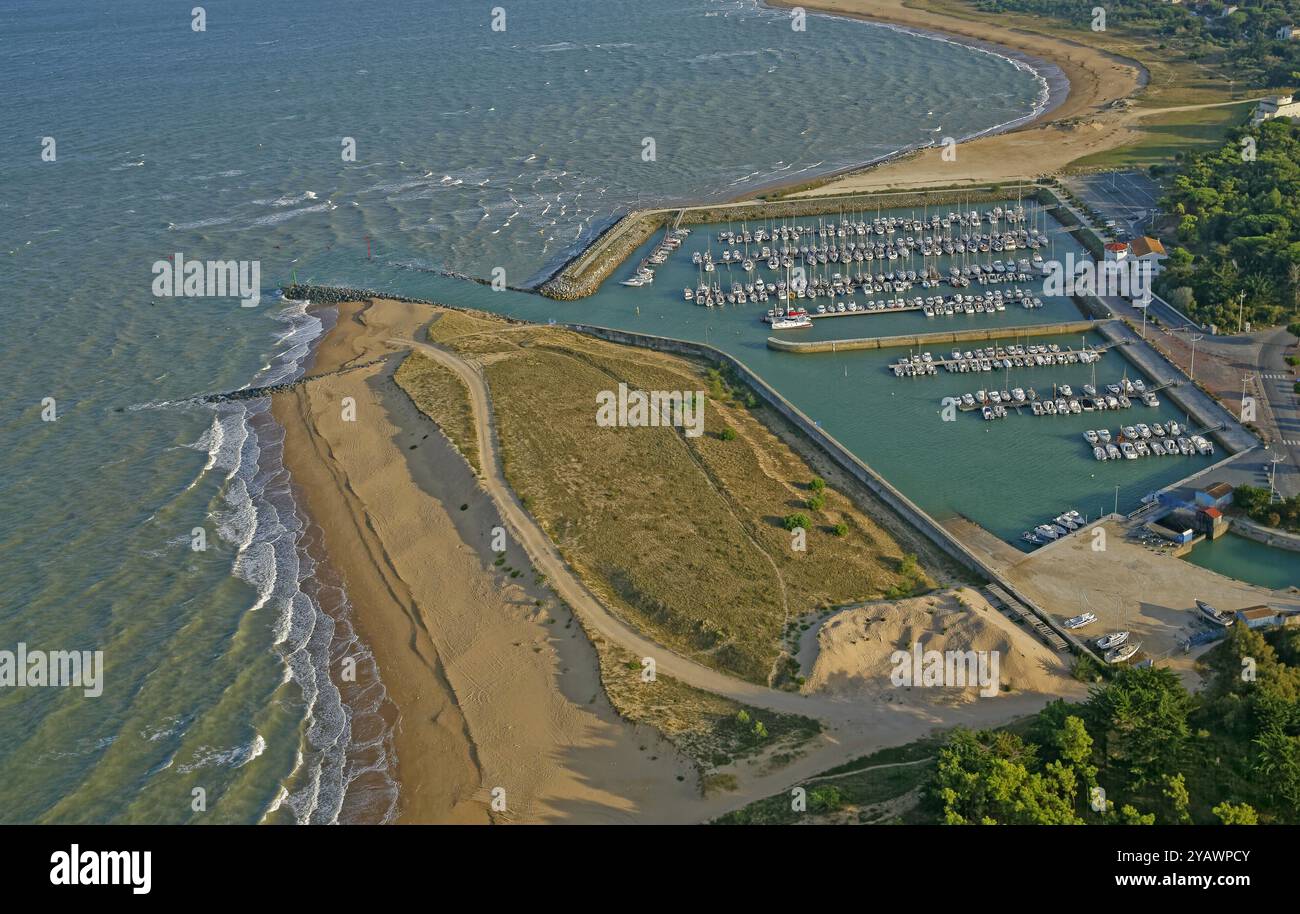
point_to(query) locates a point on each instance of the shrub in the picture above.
(817, 484)
(840, 529)
(816, 501)
(796, 521)
(728, 434)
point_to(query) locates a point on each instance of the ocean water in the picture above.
(475, 151)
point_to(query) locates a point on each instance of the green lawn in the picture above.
(1165, 135)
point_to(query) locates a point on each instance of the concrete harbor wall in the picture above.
(1196, 403)
(1244, 526)
(846, 459)
(925, 339)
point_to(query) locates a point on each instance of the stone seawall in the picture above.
(842, 456)
(924, 339)
(1248, 528)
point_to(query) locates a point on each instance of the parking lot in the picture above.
(1128, 198)
(1132, 582)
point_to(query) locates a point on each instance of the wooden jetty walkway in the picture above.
(1044, 631)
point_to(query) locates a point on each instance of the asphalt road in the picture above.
(1128, 197)
(1279, 386)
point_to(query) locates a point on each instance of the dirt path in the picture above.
(855, 727)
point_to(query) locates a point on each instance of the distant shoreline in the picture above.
(1081, 119)
(1056, 90)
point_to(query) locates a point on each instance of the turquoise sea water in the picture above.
(475, 150)
(1246, 560)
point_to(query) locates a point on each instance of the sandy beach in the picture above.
(1081, 124)
(492, 684)
(486, 689)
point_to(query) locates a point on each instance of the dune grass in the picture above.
(681, 536)
(442, 396)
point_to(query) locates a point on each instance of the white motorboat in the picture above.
(1123, 652)
(1215, 616)
(1080, 620)
(1112, 640)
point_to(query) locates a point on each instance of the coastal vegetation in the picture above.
(1255, 503)
(881, 788)
(713, 731)
(1241, 42)
(682, 536)
(1141, 749)
(1185, 104)
(1238, 252)
(442, 396)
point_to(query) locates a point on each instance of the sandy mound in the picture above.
(856, 652)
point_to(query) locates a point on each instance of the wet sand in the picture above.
(487, 691)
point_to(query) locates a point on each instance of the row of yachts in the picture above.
(838, 285)
(930, 306)
(1063, 401)
(1059, 526)
(791, 233)
(901, 249)
(1141, 440)
(645, 273)
(994, 358)
(830, 233)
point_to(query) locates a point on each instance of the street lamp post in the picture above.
(1241, 304)
(1194, 338)
(1116, 499)
(1273, 477)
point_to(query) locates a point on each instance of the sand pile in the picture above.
(856, 652)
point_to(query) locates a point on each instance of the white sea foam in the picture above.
(233, 757)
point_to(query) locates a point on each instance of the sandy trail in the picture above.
(866, 725)
(489, 689)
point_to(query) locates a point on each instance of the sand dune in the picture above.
(855, 646)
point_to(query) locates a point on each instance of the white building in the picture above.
(1275, 106)
(1148, 250)
(1287, 33)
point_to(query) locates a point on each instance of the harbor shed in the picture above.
(1212, 522)
(1216, 495)
(1260, 617)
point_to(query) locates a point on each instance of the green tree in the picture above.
(1140, 721)
(1175, 791)
(1236, 813)
(1279, 762)
(993, 777)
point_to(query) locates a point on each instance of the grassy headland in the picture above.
(684, 537)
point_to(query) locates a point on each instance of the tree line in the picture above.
(1144, 750)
